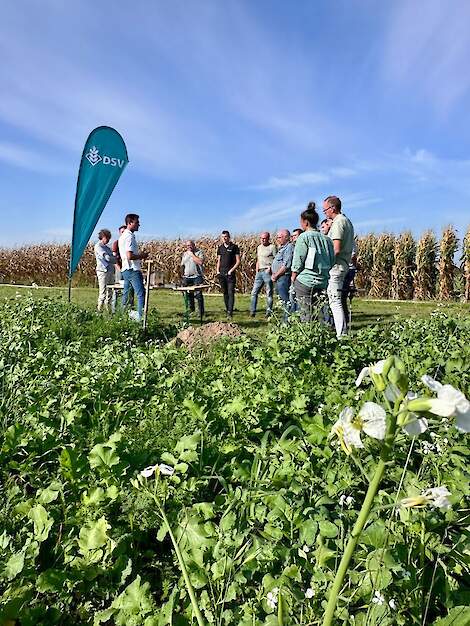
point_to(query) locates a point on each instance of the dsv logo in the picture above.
(93, 156)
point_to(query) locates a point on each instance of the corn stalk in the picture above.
(447, 249)
(404, 267)
(381, 283)
(466, 265)
(426, 268)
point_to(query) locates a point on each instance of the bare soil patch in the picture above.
(206, 334)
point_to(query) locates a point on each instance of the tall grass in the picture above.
(447, 249)
(426, 268)
(404, 267)
(381, 283)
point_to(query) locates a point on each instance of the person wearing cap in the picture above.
(264, 259)
(342, 235)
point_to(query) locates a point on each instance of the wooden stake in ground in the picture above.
(147, 293)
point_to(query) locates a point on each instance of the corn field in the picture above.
(389, 266)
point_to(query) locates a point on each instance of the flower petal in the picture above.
(374, 420)
(392, 392)
(378, 367)
(430, 383)
(148, 471)
(441, 407)
(166, 470)
(415, 425)
(462, 420)
(363, 374)
(352, 436)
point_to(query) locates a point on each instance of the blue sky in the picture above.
(237, 113)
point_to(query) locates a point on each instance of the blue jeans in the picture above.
(262, 279)
(134, 279)
(282, 288)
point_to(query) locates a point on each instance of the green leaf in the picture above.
(49, 494)
(189, 442)
(104, 455)
(328, 529)
(458, 616)
(14, 565)
(42, 522)
(93, 536)
(52, 580)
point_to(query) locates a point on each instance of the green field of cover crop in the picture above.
(142, 484)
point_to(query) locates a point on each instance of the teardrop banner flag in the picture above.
(103, 161)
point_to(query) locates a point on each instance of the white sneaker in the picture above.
(134, 316)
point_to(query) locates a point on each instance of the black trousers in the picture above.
(227, 284)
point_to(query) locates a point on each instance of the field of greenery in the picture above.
(254, 483)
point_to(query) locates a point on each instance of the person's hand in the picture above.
(274, 278)
(229, 273)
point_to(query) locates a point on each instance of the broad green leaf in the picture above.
(14, 565)
(93, 536)
(52, 580)
(189, 442)
(42, 522)
(327, 529)
(49, 494)
(458, 616)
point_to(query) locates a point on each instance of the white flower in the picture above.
(436, 497)
(166, 470)
(148, 471)
(378, 598)
(306, 548)
(392, 604)
(377, 368)
(413, 424)
(371, 419)
(271, 597)
(345, 500)
(310, 593)
(450, 402)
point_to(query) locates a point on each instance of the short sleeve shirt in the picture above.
(128, 243)
(265, 255)
(227, 256)
(191, 268)
(283, 258)
(343, 230)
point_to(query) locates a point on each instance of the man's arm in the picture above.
(217, 269)
(237, 263)
(199, 260)
(131, 256)
(337, 246)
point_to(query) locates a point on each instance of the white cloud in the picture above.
(427, 50)
(28, 159)
(306, 179)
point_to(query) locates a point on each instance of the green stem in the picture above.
(184, 571)
(360, 523)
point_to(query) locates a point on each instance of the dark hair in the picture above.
(225, 232)
(131, 217)
(123, 226)
(104, 233)
(324, 221)
(334, 202)
(297, 230)
(310, 215)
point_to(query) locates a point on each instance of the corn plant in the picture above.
(381, 283)
(447, 249)
(426, 268)
(404, 268)
(466, 264)
(365, 247)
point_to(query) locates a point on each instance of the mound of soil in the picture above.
(206, 334)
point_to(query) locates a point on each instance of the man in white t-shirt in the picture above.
(265, 253)
(342, 234)
(131, 265)
(192, 263)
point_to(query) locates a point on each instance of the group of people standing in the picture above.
(122, 261)
(301, 266)
(308, 264)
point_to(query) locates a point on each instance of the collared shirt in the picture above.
(314, 256)
(191, 268)
(283, 258)
(104, 257)
(128, 243)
